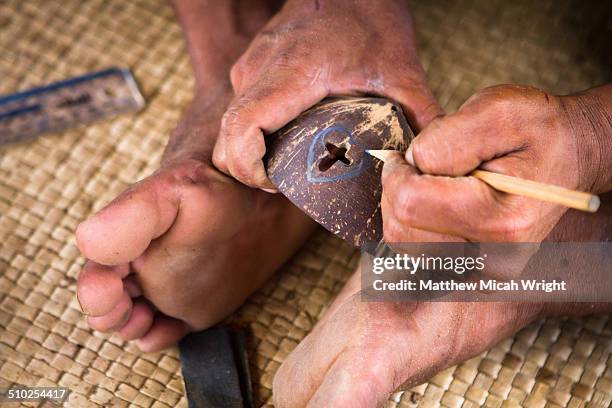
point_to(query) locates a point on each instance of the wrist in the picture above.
(589, 116)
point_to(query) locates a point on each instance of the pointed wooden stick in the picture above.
(527, 188)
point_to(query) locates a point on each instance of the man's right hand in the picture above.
(508, 129)
(310, 50)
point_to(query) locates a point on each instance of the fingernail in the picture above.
(409, 157)
(270, 190)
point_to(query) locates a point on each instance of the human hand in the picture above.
(307, 52)
(512, 130)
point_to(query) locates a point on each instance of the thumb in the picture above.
(457, 144)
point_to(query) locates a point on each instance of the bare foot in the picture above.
(361, 352)
(181, 249)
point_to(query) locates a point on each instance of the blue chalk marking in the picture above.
(62, 84)
(20, 111)
(356, 170)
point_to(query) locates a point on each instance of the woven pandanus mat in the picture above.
(47, 186)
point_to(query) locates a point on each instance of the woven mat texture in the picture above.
(49, 185)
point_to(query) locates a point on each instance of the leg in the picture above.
(181, 249)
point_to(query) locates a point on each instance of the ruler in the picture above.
(66, 104)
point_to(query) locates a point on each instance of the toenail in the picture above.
(80, 305)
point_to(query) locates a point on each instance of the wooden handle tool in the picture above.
(527, 188)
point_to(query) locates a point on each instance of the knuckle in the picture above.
(491, 99)
(500, 99)
(239, 169)
(287, 34)
(285, 58)
(233, 116)
(219, 159)
(250, 148)
(404, 206)
(501, 105)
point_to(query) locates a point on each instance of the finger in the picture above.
(165, 332)
(463, 206)
(122, 230)
(277, 98)
(456, 144)
(139, 322)
(100, 288)
(114, 319)
(396, 232)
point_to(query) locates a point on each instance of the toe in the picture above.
(139, 323)
(121, 231)
(165, 332)
(114, 319)
(100, 288)
(132, 286)
(354, 381)
(299, 377)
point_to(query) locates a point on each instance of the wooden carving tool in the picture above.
(527, 188)
(319, 162)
